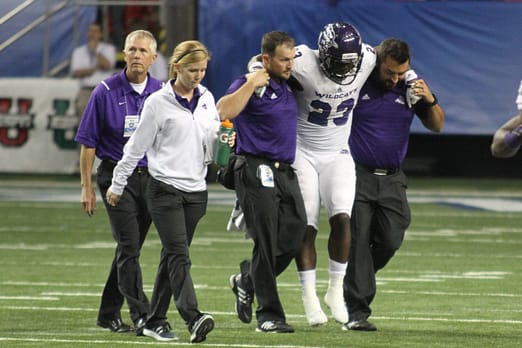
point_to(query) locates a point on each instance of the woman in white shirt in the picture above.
(177, 130)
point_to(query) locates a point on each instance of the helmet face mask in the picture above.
(339, 51)
(342, 68)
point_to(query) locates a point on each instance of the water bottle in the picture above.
(222, 147)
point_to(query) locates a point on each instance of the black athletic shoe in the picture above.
(274, 326)
(359, 325)
(244, 297)
(115, 325)
(138, 326)
(161, 333)
(200, 328)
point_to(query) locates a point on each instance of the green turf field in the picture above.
(456, 282)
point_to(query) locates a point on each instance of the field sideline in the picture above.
(456, 281)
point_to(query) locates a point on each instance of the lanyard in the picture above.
(140, 101)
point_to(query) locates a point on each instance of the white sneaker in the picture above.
(334, 299)
(313, 311)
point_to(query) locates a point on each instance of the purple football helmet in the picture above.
(340, 53)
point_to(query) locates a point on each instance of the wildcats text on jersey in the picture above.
(337, 95)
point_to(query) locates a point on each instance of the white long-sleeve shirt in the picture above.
(179, 144)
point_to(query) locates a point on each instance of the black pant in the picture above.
(175, 214)
(380, 217)
(130, 222)
(276, 220)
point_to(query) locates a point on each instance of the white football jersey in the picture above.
(325, 107)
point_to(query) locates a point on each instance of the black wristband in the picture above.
(433, 103)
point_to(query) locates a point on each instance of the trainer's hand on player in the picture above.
(88, 200)
(112, 198)
(259, 78)
(422, 90)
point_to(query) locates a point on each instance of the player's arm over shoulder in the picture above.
(369, 55)
(304, 56)
(306, 64)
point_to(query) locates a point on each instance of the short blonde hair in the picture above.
(187, 52)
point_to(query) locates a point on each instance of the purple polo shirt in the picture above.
(189, 105)
(381, 126)
(103, 120)
(267, 126)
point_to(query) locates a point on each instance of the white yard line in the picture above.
(140, 343)
(498, 202)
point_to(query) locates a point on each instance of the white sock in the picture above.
(307, 280)
(336, 272)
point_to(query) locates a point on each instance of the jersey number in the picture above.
(323, 111)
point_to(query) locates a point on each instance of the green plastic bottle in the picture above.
(222, 147)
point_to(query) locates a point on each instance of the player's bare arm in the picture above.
(507, 139)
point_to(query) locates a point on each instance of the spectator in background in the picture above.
(91, 64)
(109, 120)
(508, 138)
(379, 142)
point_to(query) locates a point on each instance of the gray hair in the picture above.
(141, 34)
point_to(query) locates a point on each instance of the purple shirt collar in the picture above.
(191, 105)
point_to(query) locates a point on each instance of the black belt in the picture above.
(109, 165)
(281, 166)
(379, 171)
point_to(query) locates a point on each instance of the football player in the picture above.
(331, 77)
